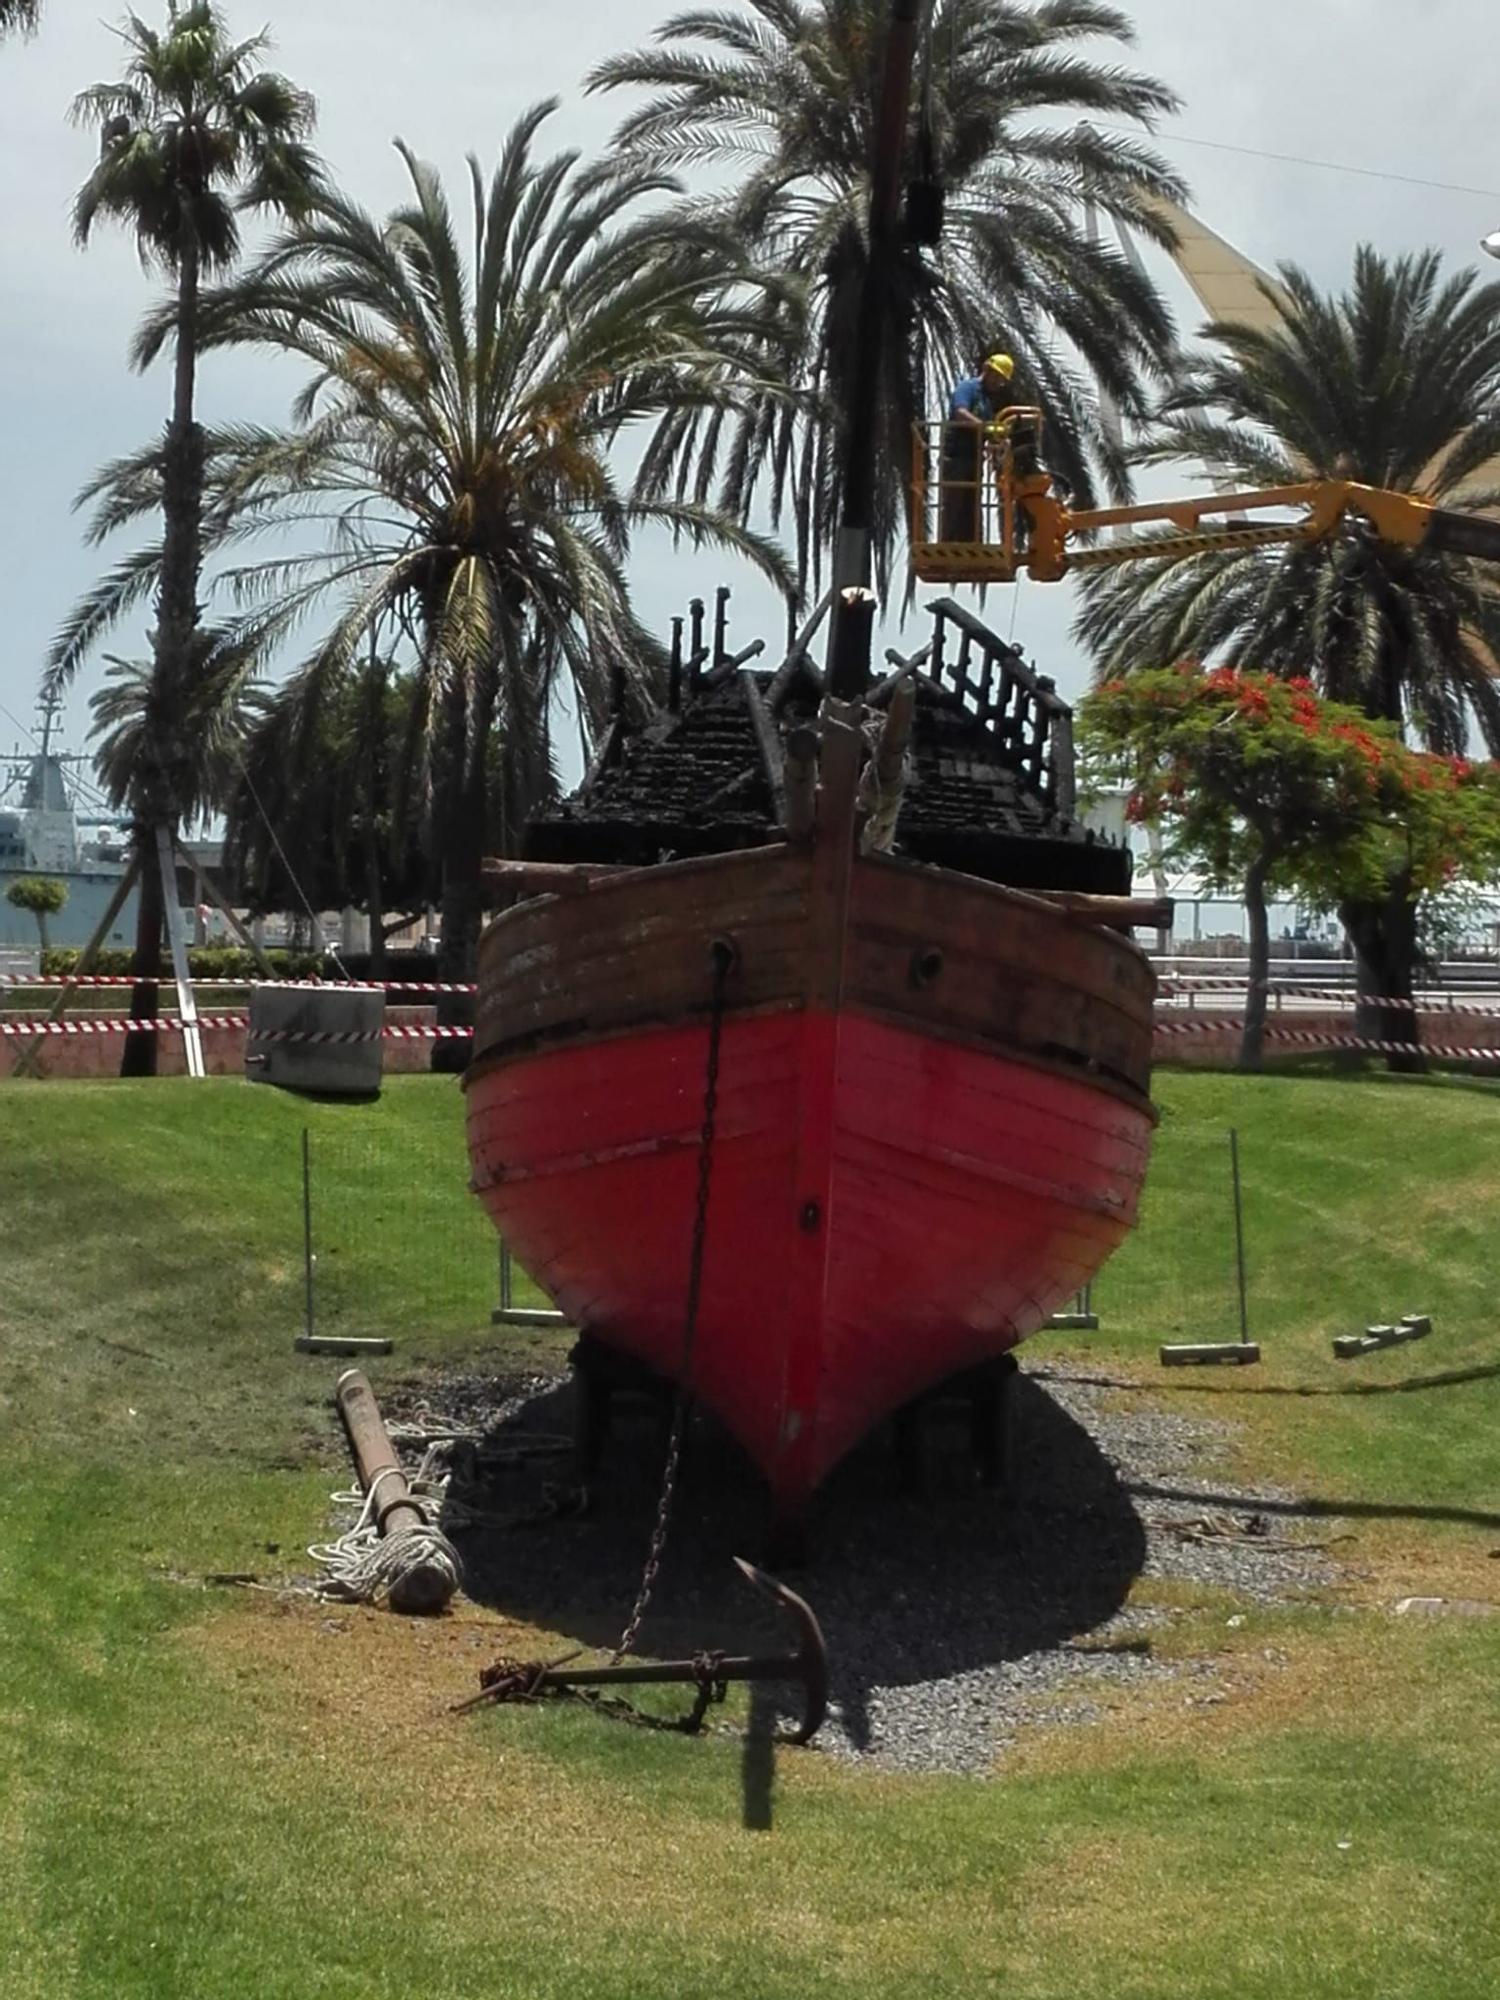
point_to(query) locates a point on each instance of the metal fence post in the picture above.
(1239, 1233)
(508, 1313)
(307, 1235)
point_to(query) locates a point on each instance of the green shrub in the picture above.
(205, 961)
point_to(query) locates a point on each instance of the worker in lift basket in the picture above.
(974, 404)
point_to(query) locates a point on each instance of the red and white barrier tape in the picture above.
(64, 979)
(113, 1024)
(1224, 1024)
(1294, 989)
(1314, 1038)
(118, 1024)
(1310, 1038)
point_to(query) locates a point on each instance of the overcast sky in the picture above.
(1398, 87)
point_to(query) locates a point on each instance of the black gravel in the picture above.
(954, 1618)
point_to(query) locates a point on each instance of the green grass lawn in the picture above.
(208, 1793)
(1363, 1199)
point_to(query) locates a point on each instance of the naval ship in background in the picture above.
(53, 822)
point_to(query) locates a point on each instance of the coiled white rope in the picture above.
(415, 1570)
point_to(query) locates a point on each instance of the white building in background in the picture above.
(1209, 924)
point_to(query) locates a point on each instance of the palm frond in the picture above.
(1394, 383)
(781, 100)
(97, 613)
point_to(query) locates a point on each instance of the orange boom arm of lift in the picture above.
(1015, 522)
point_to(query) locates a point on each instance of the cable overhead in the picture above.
(1303, 160)
(330, 950)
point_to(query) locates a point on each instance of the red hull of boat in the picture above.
(887, 1207)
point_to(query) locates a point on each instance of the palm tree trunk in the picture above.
(372, 732)
(1383, 930)
(458, 954)
(463, 847)
(176, 626)
(1383, 934)
(138, 1057)
(182, 489)
(374, 899)
(1253, 1035)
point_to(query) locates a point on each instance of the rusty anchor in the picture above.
(711, 1673)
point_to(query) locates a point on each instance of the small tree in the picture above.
(43, 895)
(1267, 789)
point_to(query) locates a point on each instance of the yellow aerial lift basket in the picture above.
(983, 510)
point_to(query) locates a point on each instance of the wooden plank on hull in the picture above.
(890, 963)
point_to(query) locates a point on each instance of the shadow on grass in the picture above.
(908, 1588)
(1315, 1508)
(1448, 1378)
(758, 1759)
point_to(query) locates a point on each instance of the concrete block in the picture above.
(1349, 1346)
(1208, 1353)
(333, 1068)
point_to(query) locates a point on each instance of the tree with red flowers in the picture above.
(1269, 790)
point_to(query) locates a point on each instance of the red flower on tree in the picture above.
(1262, 784)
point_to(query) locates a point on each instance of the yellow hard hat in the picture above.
(1000, 364)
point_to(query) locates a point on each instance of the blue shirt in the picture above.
(971, 395)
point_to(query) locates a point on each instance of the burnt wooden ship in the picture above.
(930, 1117)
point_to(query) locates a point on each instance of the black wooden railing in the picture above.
(1022, 710)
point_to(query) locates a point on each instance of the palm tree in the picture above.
(321, 797)
(1396, 383)
(454, 440)
(782, 99)
(191, 137)
(19, 17)
(169, 751)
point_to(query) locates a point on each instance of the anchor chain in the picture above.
(710, 1672)
(724, 956)
(510, 1680)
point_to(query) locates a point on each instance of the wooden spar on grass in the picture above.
(425, 1587)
